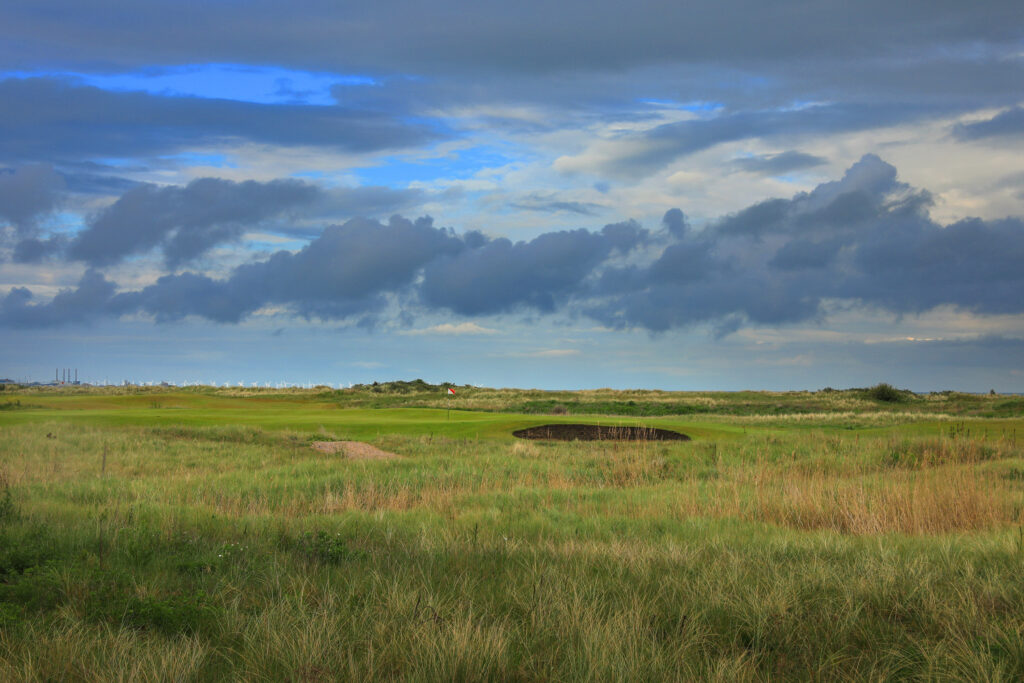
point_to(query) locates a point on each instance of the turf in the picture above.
(195, 534)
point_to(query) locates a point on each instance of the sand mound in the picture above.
(574, 432)
(356, 450)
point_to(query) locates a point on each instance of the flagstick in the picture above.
(449, 394)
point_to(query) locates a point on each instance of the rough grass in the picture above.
(143, 548)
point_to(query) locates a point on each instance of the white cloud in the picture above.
(548, 353)
(450, 329)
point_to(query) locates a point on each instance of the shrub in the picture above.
(886, 392)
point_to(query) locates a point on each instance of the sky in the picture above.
(711, 195)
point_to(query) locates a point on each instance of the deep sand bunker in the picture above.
(572, 432)
(356, 450)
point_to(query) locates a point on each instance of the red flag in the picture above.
(451, 391)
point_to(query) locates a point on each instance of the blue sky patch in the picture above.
(243, 83)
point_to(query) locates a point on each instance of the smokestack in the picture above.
(76, 375)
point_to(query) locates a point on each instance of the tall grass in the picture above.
(241, 553)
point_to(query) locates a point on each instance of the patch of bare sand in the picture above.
(356, 450)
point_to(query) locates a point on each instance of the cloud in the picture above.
(778, 164)
(91, 178)
(675, 223)
(865, 238)
(535, 38)
(342, 273)
(132, 124)
(35, 250)
(500, 275)
(184, 221)
(1009, 122)
(542, 353)
(88, 301)
(549, 203)
(856, 196)
(554, 353)
(27, 193)
(349, 268)
(452, 330)
(366, 201)
(641, 154)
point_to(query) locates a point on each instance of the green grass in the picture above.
(196, 535)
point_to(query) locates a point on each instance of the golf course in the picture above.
(394, 531)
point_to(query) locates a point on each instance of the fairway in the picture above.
(197, 534)
(280, 413)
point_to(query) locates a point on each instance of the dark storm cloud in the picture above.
(778, 164)
(409, 37)
(579, 60)
(800, 254)
(757, 58)
(347, 269)
(973, 264)
(859, 194)
(342, 273)
(866, 237)
(35, 250)
(36, 125)
(87, 302)
(28, 193)
(184, 221)
(501, 275)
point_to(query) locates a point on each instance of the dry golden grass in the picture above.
(901, 502)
